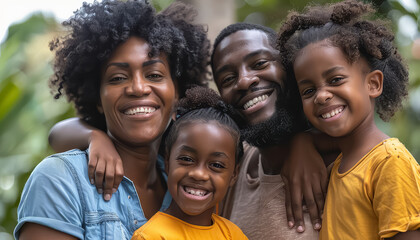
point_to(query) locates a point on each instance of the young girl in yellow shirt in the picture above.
(203, 148)
(344, 66)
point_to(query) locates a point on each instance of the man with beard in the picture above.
(249, 76)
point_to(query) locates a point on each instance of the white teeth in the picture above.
(332, 113)
(140, 110)
(254, 101)
(195, 192)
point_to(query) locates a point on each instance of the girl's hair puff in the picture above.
(349, 25)
(97, 29)
(203, 105)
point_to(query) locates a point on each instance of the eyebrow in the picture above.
(118, 64)
(218, 154)
(190, 149)
(127, 65)
(331, 70)
(245, 58)
(254, 53)
(324, 74)
(151, 62)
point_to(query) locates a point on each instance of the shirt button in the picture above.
(129, 197)
(135, 222)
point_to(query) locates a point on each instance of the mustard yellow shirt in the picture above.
(376, 198)
(163, 226)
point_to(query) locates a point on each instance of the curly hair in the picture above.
(97, 29)
(203, 105)
(227, 31)
(350, 26)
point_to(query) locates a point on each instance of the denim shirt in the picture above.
(58, 195)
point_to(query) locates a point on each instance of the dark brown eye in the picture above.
(261, 64)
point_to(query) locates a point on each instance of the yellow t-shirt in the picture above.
(376, 198)
(164, 226)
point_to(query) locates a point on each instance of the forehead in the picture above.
(193, 132)
(320, 54)
(242, 42)
(136, 49)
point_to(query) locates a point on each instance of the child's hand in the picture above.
(105, 165)
(305, 177)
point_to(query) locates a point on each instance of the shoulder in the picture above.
(393, 154)
(393, 165)
(52, 195)
(61, 165)
(152, 229)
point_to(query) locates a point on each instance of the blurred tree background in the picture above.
(28, 110)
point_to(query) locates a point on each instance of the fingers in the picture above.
(113, 175)
(93, 160)
(296, 200)
(109, 181)
(314, 201)
(289, 211)
(99, 176)
(119, 173)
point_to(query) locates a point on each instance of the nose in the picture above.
(246, 80)
(138, 86)
(322, 96)
(199, 173)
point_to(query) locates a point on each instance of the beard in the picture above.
(279, 128)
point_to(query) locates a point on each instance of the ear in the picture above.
(234, 176)
(375, 81)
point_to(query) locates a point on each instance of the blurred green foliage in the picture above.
(28, 110)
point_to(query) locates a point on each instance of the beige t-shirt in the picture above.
(257, 205)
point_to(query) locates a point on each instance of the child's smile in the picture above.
(196, 192)
(201, 167)
(334, 91)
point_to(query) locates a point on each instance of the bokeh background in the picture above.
(28, 110)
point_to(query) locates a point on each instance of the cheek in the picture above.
(278, 74)
(169, 97)
(107, 97)
(175, 174)
(223, 183)
(307, 108)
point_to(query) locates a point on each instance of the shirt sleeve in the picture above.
(51, 198)
(396, 198)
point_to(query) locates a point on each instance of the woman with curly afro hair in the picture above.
(344, 65)
(123, 66)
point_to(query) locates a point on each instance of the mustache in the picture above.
(270, 86)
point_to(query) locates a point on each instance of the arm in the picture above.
(35, 231)
(105, 165)
(69, 134)
(306, 177)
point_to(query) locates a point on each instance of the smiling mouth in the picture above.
(332, 113)
(195, 191)
(254, 101)
(139, 110)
